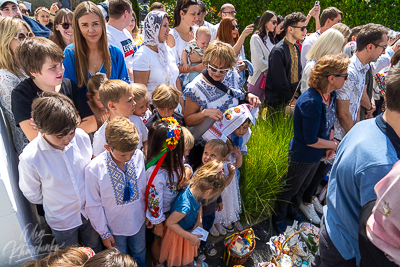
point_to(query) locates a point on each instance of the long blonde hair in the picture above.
(81, 48)
(329, 43)
(9, 28)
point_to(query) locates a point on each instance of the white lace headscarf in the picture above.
(151, 29)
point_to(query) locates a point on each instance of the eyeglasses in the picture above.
(215, 70)
(274, 22)
(66, 25)
(281, 27)
(383, 46)
(302, 28)
(231, 12)
(339, 75)
(25, 11)
(22, 36)
(237, 26)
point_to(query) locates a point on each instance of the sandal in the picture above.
(210, 250)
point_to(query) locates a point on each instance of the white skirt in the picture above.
(231, 202)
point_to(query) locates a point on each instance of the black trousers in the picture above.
(299, 176)
(327, 254)
(318, 177)
(371, 256)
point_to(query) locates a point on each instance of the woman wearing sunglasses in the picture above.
(313, 137)
(63, 34)
(260, 47)
(13, 32)
(90, 52)
(228, 32)
(212, 92)
(279, 32)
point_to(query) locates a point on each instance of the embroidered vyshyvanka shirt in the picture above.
(105, 186)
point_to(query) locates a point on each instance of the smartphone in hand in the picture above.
(316, 4)
(256, 20)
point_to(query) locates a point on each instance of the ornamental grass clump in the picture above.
(264, 169)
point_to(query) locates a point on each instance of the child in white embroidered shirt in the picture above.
(115, 189)
(117, 97)
(51, 170)
(164, 186)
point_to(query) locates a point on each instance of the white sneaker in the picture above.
(310, 213)
(317, 206)
(214, 231)
(220, 229)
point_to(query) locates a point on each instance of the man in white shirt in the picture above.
(201, 22)
(371, 44)
(227, 11)
(52, 167)
(329, 17)
(120, 13)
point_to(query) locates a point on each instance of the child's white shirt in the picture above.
(105, 185)
(161, 196)
(55, 178)
(99, 139)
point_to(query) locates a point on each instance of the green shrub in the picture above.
(264, 169)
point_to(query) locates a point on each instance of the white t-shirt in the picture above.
(146, 59)
(99, 139)
(123, 40)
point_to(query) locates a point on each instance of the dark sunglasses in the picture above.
(302, 28)
(274, 22)
(66, 25)
(237, 26)
(339, 75)
(21, 36)
(25, 11)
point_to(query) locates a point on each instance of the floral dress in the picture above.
(161, 195)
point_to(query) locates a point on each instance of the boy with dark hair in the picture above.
(51, 170)
(284, 71)
(120, 16)
(165, 99)
(371, 44)
(329, 17)
(42, 61)
(115, 191)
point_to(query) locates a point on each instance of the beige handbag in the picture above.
(289, 109)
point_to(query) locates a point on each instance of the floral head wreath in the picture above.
(173, 135)
(41, 8)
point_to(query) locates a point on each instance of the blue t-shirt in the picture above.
(188, 205)
(118, 67)
(309, 124)
(364, 157)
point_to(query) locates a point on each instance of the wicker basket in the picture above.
(236, 259)
(276, 259)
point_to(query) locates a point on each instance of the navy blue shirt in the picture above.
(309, 124)
(188, 205)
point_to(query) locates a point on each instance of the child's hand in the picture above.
(237, 152)
(198, 224)
(32, 123)
(185, 66)
(148, 224)
(194, 240)
(231, 169)
(159, 230)
(104, 117)
(109, 242)
(219, 206)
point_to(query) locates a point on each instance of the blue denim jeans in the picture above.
(89, 236)
(135, 244)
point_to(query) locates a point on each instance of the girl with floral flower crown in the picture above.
(165, 170)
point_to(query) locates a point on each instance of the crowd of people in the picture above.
(130, 140)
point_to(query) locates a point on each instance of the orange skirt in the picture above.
(176, 250)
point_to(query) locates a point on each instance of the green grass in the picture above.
(264, 168)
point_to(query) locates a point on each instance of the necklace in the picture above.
(325, 99)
